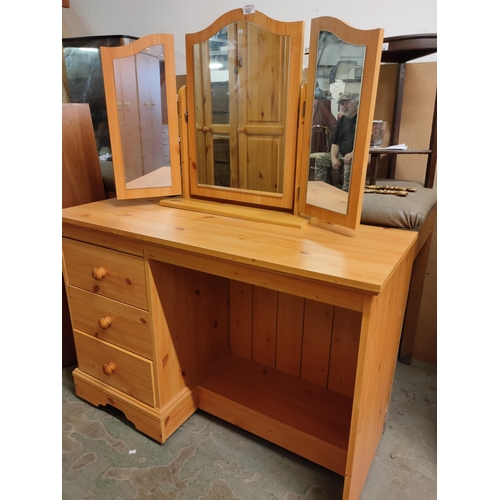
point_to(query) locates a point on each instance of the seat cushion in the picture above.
(388, 210)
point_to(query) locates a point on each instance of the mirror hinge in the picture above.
(303, 109)
(186, 116)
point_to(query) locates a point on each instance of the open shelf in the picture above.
(302, 417)
(400, 50)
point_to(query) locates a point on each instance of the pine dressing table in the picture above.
(289, 333)
(283, 320)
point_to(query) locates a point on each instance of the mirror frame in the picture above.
(243, 196)
(372, 40)
(108, 54)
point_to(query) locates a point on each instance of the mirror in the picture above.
(139, 81)
(341, 88)
(243, 84)
(339, 72)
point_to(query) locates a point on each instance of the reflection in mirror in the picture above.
(241, 92)
(143, 118)
(243, 81)
(339, 72)
(141, 102)
(342, 79)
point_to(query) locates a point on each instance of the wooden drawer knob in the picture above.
(105, 323)
(98, 273)
(108, 368)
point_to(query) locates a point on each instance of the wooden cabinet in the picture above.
(289, 333)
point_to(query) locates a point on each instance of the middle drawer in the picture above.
(110, 320)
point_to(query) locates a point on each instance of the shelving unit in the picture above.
(400, 50)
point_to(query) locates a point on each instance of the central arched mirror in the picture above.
(340, 97)
(243, 81)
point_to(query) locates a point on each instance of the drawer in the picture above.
(106, 272)
(115, 322)
(116, 367)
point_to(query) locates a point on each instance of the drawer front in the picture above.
(107, 319)
(106, 272)
(116, 367)
(103, 239)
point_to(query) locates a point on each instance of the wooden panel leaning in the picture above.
(81, 174)
(81, 183)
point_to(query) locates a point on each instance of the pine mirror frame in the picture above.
(284, 200)
(372, 40)
(108, 55)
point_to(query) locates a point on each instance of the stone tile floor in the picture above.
(209, 459)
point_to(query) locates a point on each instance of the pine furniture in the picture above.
(282, 322)
(289, 333)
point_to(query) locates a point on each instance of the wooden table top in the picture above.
(363, 259)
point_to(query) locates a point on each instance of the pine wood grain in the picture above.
(157, 423)
(231, 210)
(361, 260)
(129, 326)
(289, 333)
(318, 321)
(264, 326)
(124, 278)
(103, 239)
(378, 345)
(133, 374)
(344, 351)
(295, 414)
(328, 303)
(241, 307)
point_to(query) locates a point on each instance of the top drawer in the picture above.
(106, 272)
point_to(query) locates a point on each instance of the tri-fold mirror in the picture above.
(257, 135)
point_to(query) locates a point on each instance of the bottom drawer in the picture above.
(116, 367)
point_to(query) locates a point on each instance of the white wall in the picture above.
(143, 17)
